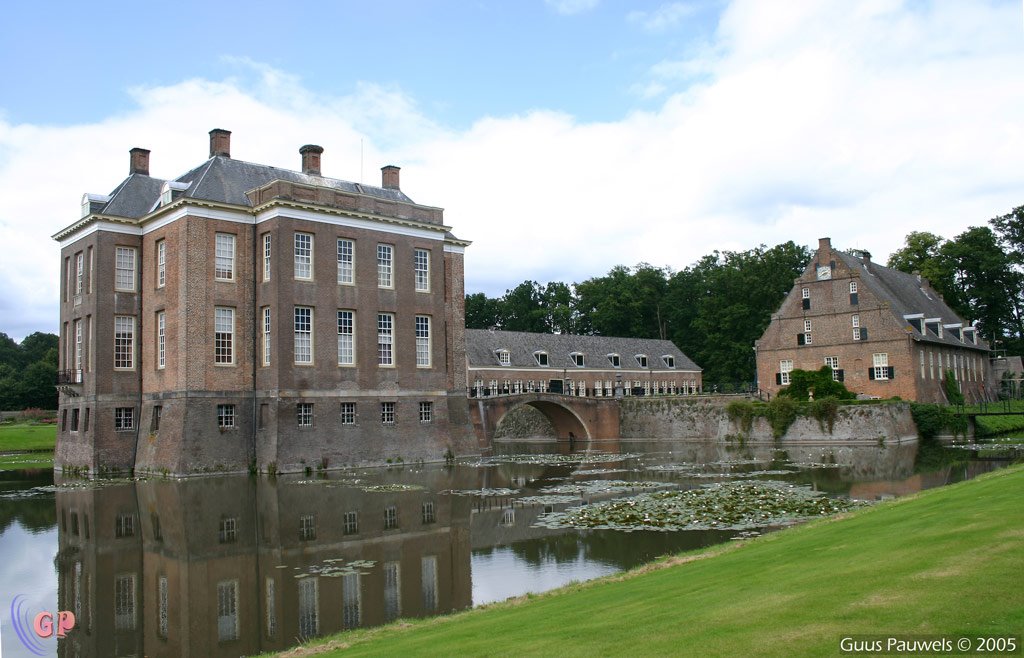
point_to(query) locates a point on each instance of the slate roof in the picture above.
(225, 180)
(481, 345)
(906, 294)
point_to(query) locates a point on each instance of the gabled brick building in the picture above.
(244, 316)
(501, 362)
(885, 333)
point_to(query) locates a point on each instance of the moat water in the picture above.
(229, 566)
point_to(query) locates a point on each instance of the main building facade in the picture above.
(243, 316)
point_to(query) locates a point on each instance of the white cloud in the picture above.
(570, 7)
(807, 120)
(663, 18)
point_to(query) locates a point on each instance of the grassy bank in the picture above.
(990, 425)
(25, 436)
(945, 561)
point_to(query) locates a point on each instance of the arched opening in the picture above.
(561, 423)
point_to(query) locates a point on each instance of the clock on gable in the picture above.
(824, 272)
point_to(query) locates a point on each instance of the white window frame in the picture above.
(880, 362)
(304, 414)
(668, 360)
(346, 262)
(423, 342)
(225, 416)
(124, 269)
(348, 413)
(807, 326)
(855, 321)
(161, 340)
(387, 413)
(124, 419)
(303, 250)
(641, 360)
(124, 342)
(385, 266)
(161, 263)
(224, 257)
(785, 367)
(853, 287)
(805, 293)
(833, 362)
(265, 330)
(223, 336)
(578, 359)
(79, 273)
(79, 344)
(426, 412)
(504, 357)
(303, 335)
(346, 337)
(267, 246)
(544, 362)
(421, 266)
(386, 340)
(615, 360)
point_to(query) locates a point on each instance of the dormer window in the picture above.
(916, 321)
(934, 325)
(668, 360)
(168, 189)
(641, 360)
(955, 330)
(89, 199)
(541, 358)
(970, 335)
(577, 359)
(614, 360)
(504, 358)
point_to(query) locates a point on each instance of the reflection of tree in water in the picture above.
(36, 514)
(933, 456)
(621, 549)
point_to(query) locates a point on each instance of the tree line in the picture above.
(28, 372)
(716, 308)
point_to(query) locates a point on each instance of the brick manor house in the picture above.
(502, 362)
(244, 316)
(885, 333)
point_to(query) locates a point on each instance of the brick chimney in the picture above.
(311, 159)
(389, 176)
(139, 161)
(220, 142)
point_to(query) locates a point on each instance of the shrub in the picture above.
(826, 410)
(32, 415)
(741, 412)
(930, 419)
(781, 413)
(802, 382)
(953, 394)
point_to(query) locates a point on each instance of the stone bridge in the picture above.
(581, 418)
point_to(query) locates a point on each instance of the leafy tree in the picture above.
(523, 309)
(803, 382)
(10, 353)
(482, 312)
(625, 302)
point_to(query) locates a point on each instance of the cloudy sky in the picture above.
(562, 137)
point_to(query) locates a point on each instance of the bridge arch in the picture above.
(565, 423)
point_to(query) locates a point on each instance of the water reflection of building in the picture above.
(232, 566)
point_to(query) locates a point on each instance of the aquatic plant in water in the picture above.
(722, 506)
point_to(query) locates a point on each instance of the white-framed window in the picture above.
(387, 413)
(79, 273)
(668, 360)
(161, 263)
(421, 266)
(880, 361)
(833, 362)
(304, 256)
(266, 256)
(346, 338)
(223, 335)
(350, 523)
(304, 414)
(161, 339)
(78, 347)
(853, 287)
(426, 412)
(541, 358)
(390, 517)
(124, 419)
(124, 269)
(805, 293)
(641, 360)
(428, 512)
(504, 357)
(348, 413)
(265, 327)
(89, 284)
(227, 532)
(385, 265)
(227, 610)
(807, 325)
(385, 339)
(346, 261)
(785, 367)
(224, 257)
(931, 365)
(921, 353)
(225, 416)
(124, 342)
(303, 334)
(615, 360)
(124, 602)
(422, 341)
(855, 321)
(578, 359)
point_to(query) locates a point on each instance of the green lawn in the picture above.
(945, 561)
(27, 437)
(26, 460)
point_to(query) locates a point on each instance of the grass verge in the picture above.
(24, 436)
(946, 561)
